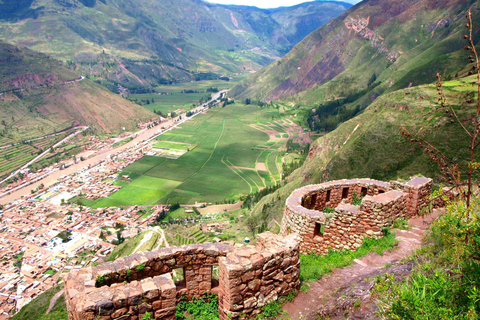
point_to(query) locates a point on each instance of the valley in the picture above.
(319, 159)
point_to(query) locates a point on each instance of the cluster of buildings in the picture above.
(48, 234)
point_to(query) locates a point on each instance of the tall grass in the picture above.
(314, 266)
(446, 282)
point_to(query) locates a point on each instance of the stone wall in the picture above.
(250, 278)
(346, 227)
(131, 286)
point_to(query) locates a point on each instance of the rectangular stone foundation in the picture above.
(249, 277)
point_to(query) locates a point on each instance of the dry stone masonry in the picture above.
(348, 224)
(249, 278)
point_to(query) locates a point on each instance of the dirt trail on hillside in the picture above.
(329, 296)
(54, 300)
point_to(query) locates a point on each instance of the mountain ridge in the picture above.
(159, 41)
(357, 45)
(41, 96)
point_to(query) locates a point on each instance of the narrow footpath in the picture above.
(334, 296)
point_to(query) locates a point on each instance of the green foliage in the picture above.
(315, 266)
(356, 200)
(64, 235)
(271, 310)
(401, 223)
(274, 309)
(140, 267)
(328, 210)
(204, 308)
(445, 285)
(37, 308)
(147, 316)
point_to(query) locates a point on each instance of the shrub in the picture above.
(204, 308)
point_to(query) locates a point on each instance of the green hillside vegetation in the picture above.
(37, 308)
(143, 43)
(371, 144)
(445, 280)
(145, 241)
(365, 53)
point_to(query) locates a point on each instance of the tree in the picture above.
(251, 224)
(120, 238)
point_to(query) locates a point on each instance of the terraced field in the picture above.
(191, 238)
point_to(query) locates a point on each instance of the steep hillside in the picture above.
(141, 43)
(371, 144)
(299, 21)
(392, 44)
(40, 96)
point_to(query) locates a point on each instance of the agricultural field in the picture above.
(14, 157)
(180, 235)
(172, 150)
(180, 96)
(232, 158)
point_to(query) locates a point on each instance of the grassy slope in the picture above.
(370, 145)
(37, 308)
(128, 247)
(333, 61)
(47, 104)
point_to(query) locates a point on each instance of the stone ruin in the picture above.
(346, 227)
(248, 278)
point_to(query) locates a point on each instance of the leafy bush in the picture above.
(271, 310)
(274, 308)
(401, 223)
(140, 267)
(315, 266)
(328, 210)
(356, 201)
(204, 308)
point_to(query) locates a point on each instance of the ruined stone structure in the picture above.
(346, 227)
(249, 278)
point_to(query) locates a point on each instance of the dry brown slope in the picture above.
(48, 97)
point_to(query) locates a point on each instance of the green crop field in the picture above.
(174, 145)
(169, 98)
(222, 167)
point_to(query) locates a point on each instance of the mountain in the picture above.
(40, 96)
(375, 63)
(371, 144)
(299, 21)
(392, 44)
(139, 43)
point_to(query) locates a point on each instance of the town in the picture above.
(44, 235)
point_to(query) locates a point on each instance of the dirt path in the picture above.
(54, 300)
(306, 305)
